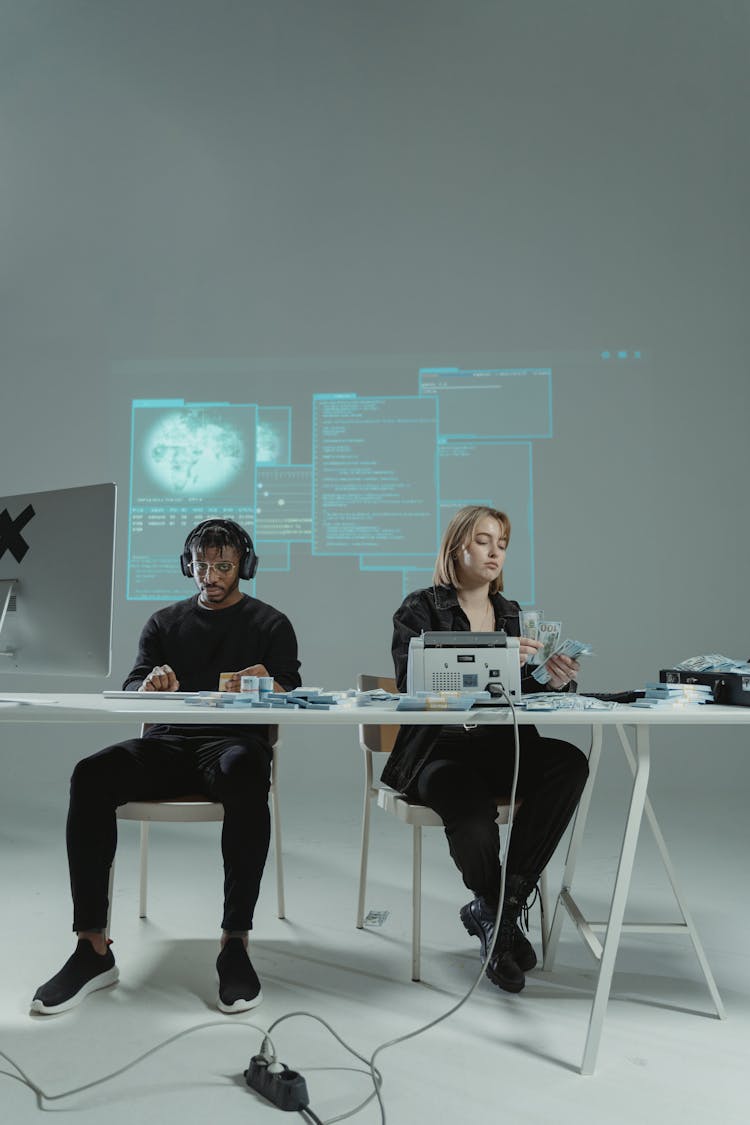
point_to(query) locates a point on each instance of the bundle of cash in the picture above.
(569, 647)
(548, 633)
(713, 662)
(659, 695)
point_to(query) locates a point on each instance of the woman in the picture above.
(460, 773)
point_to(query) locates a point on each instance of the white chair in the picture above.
(192, 810)
(377, 739)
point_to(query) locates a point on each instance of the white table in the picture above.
(626, 721)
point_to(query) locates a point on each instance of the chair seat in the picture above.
(396, 803)
(412, 813)
(181, 809)
(192, 808)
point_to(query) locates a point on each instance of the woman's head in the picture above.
(473, 530)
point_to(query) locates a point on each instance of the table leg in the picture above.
(571, 858)
(687, 923)
(619, 899)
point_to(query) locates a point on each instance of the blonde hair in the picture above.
(458, 534)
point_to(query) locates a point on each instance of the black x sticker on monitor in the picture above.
(10, 532)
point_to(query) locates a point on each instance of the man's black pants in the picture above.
(233, 771)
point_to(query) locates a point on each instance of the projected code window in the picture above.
(397, 562)
(273, 556)
(498, 474)
(283, 507)
(491, 404)
(374, 474)
(190, 461)
(415, 578)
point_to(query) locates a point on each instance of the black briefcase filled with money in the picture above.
(729, 688)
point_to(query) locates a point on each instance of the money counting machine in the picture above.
(464, 661)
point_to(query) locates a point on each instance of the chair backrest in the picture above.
(377, 739)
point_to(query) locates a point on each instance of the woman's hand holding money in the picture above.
(528, 648)
(563, 670)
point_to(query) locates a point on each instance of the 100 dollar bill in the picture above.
(549, 635)
(530, 622)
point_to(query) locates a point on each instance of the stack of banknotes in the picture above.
(659, 695)
(713, 662)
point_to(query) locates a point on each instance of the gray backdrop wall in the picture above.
(231, 189)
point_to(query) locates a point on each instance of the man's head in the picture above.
(217, 553)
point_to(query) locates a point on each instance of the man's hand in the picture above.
(232, 683)
(161, 678)
(528, 648)
(562, 670)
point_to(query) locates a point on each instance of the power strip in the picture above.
(275, 1081)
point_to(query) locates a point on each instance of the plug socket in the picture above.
(286, 1088)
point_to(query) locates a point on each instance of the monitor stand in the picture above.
(6, 592)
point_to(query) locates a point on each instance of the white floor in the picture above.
(664, 1056)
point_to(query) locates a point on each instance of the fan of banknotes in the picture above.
(536, 628)
(556, 701)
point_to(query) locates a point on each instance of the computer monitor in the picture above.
(56, 577)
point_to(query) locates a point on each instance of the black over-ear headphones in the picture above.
(249, 560)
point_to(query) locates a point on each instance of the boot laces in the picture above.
(523, 914)
(506, 932)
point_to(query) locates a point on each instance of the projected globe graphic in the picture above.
(269, 444)
(193, 452)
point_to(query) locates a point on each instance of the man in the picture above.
(185, 646)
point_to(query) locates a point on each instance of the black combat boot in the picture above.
(517, 891)
(513, 954)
